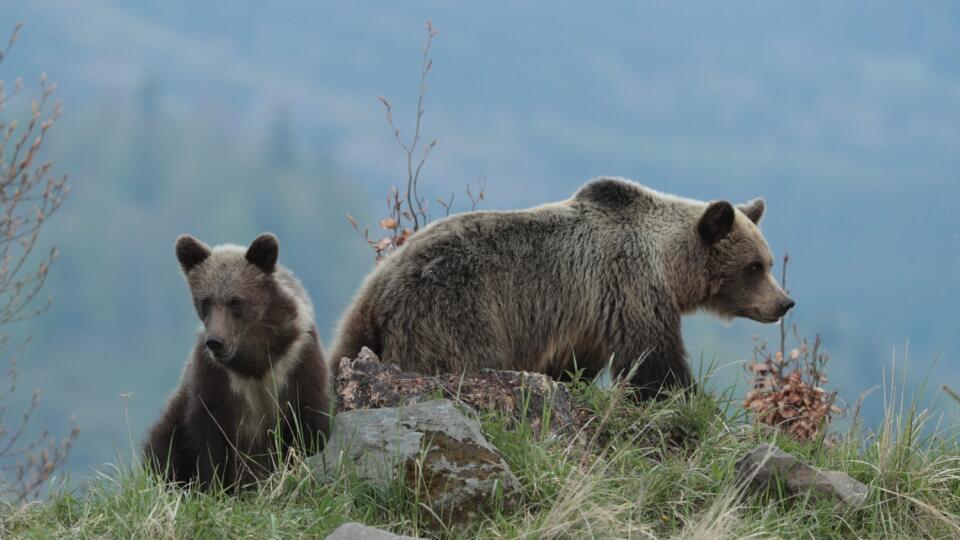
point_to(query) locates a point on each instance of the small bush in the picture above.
(787, 387)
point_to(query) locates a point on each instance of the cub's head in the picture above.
(232, 288)
(739, 280)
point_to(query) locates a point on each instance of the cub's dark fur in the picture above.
(256, 381)
(605, 275)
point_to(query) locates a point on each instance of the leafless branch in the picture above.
(783, 320)
(408, 212)
(446, 204)
(29, 195)
(475, 200)
(415, 205)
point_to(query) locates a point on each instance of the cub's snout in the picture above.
(214, 343)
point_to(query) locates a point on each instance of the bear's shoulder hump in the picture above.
(610, 192)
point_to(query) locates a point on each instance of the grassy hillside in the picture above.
(663, 470)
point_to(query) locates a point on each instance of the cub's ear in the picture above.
(716, 222)
(753, 209)
(190, 252)
(263, 252)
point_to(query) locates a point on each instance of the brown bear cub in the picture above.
(603, 277)
(256, 384)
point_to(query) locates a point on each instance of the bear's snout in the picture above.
(786, 306)
(214, 343)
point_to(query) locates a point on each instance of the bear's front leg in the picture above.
(305, 427)
(659, 361)
(212, 453)
(163, 450)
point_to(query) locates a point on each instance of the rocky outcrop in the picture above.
(437, 451)
(366, 383)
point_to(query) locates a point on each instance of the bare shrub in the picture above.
(29, 195)
(787, 387)
(407, 211)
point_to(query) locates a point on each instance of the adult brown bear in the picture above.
(602, 277)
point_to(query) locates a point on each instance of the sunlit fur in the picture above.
(604, 275)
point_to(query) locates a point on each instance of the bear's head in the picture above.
(232, 289)
(739, 280)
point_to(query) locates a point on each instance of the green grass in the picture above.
(664, 470)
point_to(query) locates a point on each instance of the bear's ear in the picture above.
(263, 252)
(190, 252)
(753, 209)
(716, 222)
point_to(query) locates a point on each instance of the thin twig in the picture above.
(29, 195)
(408, 212)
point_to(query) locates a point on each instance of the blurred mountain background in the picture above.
(228, 118)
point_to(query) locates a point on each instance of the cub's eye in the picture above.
(203, 306)
(236, 304)
(755, 268)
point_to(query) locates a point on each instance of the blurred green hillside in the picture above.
(227, 118)
(122, 321)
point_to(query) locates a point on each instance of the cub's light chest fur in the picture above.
(261, 395)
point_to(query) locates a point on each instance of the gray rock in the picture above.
(431, 446)
(357, 531)
(767, 464)
(366, 383)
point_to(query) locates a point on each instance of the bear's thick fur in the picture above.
(256, 381)
(602, 277)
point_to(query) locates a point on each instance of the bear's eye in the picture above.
(236, 305)
(755, 268)
(203, 306)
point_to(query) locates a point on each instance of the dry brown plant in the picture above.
(787, 386)
(407, 211)
(29, 194)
